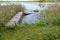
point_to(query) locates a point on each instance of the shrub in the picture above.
(56, 21)
(40, 23)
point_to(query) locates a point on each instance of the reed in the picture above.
(52, 15)
(7, 12)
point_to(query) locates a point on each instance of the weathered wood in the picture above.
(15, 19)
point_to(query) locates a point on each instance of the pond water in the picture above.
(33, 11)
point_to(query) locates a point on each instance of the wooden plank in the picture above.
(15, 19)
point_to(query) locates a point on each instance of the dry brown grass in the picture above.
(53, 13)
(7, 12)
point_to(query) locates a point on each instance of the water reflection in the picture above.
(35, 10)
(32, 18)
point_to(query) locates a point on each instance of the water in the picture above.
(33, 9)
(34, 16)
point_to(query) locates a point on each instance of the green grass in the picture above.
(30, 32)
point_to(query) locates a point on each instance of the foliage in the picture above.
(37, 31)
(49, 0)
(30, 32)
(52, 15)
(41, 23)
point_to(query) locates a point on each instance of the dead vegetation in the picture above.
(7, 12)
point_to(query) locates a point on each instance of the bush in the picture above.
(41, 23)
(56, 21)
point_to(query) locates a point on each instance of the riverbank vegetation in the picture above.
(52, 15)
(49, 0)
(7, 12)
(30, 32)
(37, 31)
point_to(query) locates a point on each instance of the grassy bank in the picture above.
(37, 31)
(30, 32)
(49, 0)
(7, 12)
(52, 15)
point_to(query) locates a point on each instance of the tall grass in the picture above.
(38, 31)
(7, 12)
(52, 15)
(49, 0)
(30, 32)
